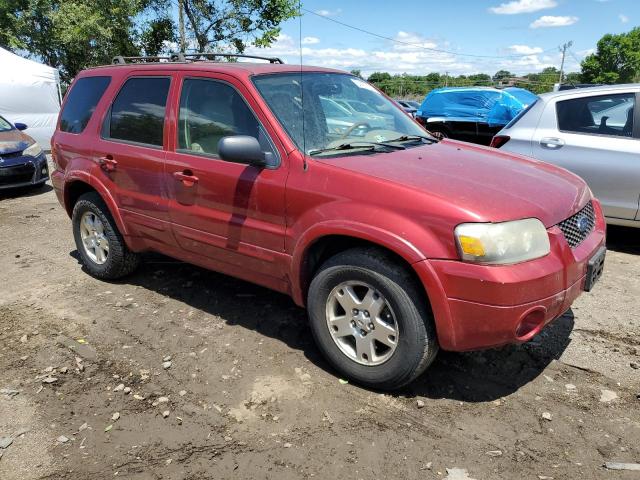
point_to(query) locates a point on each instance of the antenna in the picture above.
(304, 139)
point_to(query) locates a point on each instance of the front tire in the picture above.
(370, 320)
(102, 249)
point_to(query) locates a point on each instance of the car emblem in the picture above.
(583, 224)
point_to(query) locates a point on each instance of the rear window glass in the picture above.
(137, 113)
(84, 96)
(515, 119)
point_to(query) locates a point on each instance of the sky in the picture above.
(471, 36)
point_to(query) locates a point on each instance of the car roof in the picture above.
(578, 92)
(243, 69)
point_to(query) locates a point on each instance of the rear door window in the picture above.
(84, 96)
(138, 111)
(601, 115)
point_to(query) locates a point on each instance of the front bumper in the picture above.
(24, 171)
(480, 306)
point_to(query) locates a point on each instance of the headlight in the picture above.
(500, 243)
(33, 150)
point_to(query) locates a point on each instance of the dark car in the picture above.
(409, 106)
(471, 114)
(22, 161)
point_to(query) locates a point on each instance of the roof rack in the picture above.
(189, 57)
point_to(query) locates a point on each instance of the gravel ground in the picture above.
(181, 373)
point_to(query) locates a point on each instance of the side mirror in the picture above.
(242, 149)
(20, 126)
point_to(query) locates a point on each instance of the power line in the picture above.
(438, 50)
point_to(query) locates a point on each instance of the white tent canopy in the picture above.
(29, 94)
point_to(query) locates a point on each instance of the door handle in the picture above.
(187, 178)
(107, 163)
(551, 143)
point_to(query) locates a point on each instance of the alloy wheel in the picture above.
(96, 244)
(362, 323)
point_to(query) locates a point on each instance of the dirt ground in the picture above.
(247, 395)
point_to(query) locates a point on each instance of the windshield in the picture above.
(4, 125)
(338, 109)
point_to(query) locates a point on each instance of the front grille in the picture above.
(578, 227)
(17, 174)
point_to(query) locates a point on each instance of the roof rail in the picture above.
(197, 56)
(120, 60)
(186, 57)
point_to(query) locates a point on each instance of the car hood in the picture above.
(486, 184)
(13, 141)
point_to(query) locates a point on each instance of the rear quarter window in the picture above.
(84, 96)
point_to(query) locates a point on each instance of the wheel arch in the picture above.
(76, 187)
(321, 248)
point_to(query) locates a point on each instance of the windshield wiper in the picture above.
(408, 138)
(365, 146)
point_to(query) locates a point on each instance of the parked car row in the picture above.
(397, 244)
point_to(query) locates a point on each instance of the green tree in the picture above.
(480, 79)
(502, 74)
(377, 77)
(616, 60)
(75, 34)
(356, 72)
(573, 78)
(223, 23)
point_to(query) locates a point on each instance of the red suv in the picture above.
(396, 244)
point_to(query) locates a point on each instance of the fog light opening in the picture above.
(530, 324)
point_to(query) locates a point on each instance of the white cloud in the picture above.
(547, 21)
(623, 18)
(523, 6)
(310, 40)
(524, 50)
(399, 58)
(329, 13)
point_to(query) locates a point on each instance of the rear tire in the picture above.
(374, 274)
(100, 245)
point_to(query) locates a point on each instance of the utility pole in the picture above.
(563, 50)
(446, 79)
(183, 43)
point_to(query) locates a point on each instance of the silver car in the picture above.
(593, 132)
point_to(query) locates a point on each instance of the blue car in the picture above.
(471, 114)
(22, 161)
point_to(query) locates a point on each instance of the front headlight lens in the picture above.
(501, 243)
(33, 150)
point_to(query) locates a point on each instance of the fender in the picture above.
(111, 205)
(391, 241)
(383, 236)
